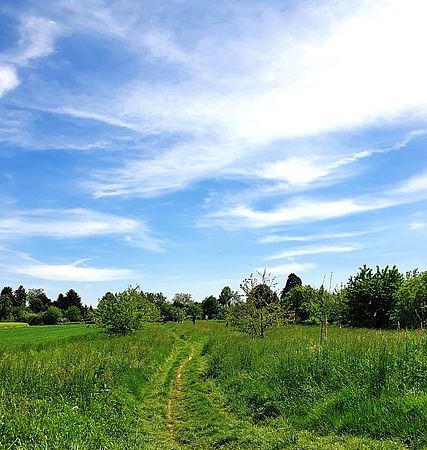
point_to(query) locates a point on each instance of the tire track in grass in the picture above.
(155, 420)
(198, 418)
(175, 398)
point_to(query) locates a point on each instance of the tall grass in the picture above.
(364, 382)
(81, 393)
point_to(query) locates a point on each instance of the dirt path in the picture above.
(183, 410)
(175, 397)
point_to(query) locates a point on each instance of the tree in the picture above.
(411, 302)
(260, 308)
(73, 314)
(125, 312)
(210, 307)
(292, 282)
(194, 311)
(38, 300)
(20, 297)
(181, 301)
(71, 298)
(370, 296)
(6, 300)
(51, 316)
(226, 296)
(5, 308)
(303, 302)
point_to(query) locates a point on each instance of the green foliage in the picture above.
(37, 300)
(370, 296)
(5, 307)
(73, 314)
(125, 312)
(194, 311)
(19, 297)
(180, 303)
(292, 282)
(303, 302)
(260, 309)
(226, 296)
(51, 316)
(210, 307)
(71, 298)
(411, 302)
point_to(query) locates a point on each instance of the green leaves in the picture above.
(125, 312)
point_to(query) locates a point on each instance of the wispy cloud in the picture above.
(37, 37)
(315, 250)
(326, 79)
(275, 238)
(295, 211)
(307, 210)
(8, 79)
(74, 223)
(414, 226)
(292, 267)
(416, 185)
(71, 272)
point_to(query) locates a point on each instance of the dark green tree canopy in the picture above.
(292, 282)
(210, 307)
(262, 295)
(38, 300)
(370, 296)
(226, 296)
(71, 298)
(20, 297)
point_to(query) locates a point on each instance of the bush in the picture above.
(34, 319)
(125, 312)
(51, 316)
(73, 314)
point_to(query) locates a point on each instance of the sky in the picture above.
(181, 145)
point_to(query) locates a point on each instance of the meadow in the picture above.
(183, 386)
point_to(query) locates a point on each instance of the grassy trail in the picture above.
(192, 413)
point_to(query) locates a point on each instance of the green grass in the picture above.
(79, 392)
(38, 336)
(364, 383)
(8, 325)
(76, 387)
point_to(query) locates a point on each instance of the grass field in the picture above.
(8, 325)
(180, 386)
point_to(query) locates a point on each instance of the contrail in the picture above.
(275, 48)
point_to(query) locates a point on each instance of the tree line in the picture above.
(373, 298)
(36, 308)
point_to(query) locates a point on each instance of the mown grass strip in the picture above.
(8, 325)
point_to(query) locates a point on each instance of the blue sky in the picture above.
(182, 145)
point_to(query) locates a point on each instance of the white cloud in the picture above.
(415, 226)
(8, 79)
(70, 272)
(298, 210)
(75, 223)
(305, 210)
(36, 40)
(241, 86)
(312, 250)
(415, 185)
(293, 267)
(275, 238)
(64, 223)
